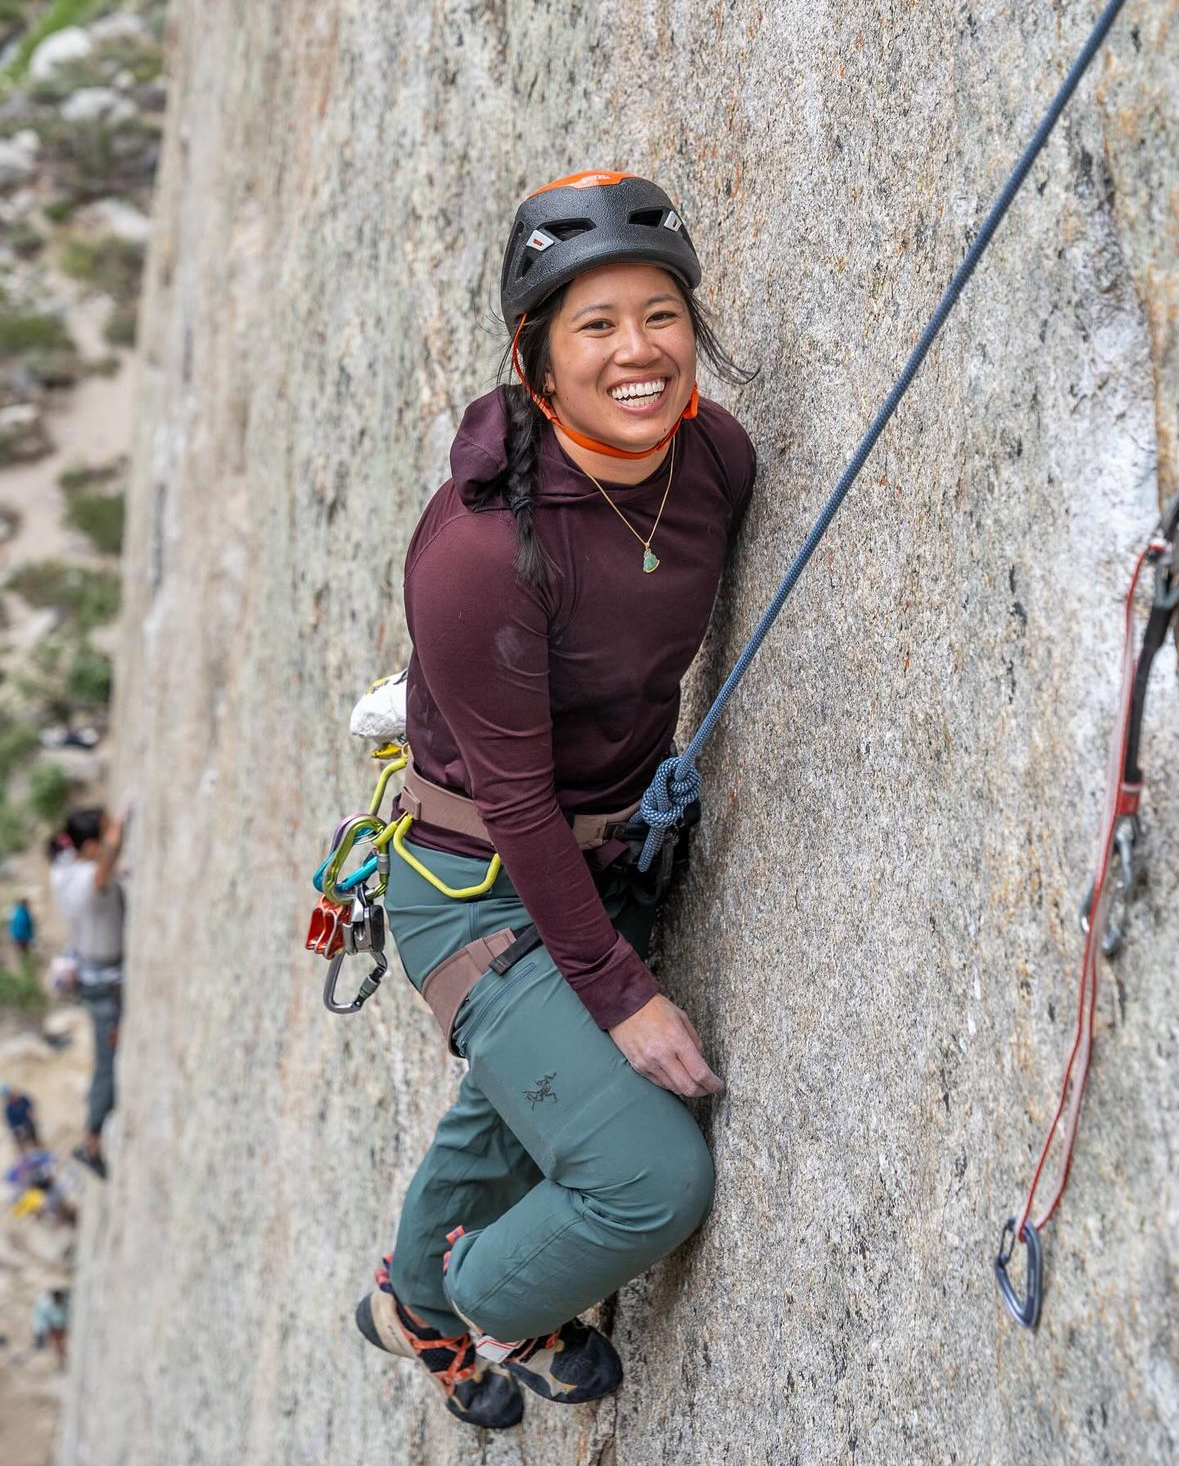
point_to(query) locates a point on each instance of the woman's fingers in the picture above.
(660, 1043)
(691, 1027)
(696, 1067)
(682, 1069)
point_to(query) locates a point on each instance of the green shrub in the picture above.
(49, 793)
(86, 597)
(22, 990)
(25, 331)
(112, 265)
(100, 159)
(14, 833)
(106, 366)
(100, 517)
(24, 239)
(18, 742)
(91, 475)
(59, 14)
(89, 679)
(34, 344)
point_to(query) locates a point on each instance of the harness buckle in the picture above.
(1026, 1310)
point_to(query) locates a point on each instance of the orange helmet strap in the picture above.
(592, 444)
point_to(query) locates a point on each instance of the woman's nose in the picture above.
(634, 344)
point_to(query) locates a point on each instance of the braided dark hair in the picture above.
(526, 421)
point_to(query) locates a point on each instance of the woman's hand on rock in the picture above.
(660, 1043)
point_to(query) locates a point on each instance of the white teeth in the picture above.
(638, 389)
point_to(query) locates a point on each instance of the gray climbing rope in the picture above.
(677, 780)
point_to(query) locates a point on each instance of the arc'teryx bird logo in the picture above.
(543, 1091)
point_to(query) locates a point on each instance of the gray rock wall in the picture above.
(878, 939)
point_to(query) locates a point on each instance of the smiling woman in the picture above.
(542, 693)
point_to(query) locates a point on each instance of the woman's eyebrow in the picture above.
(610, 306)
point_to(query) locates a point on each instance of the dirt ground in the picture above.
(35, 1253)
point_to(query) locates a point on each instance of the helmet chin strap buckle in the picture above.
(593, 444)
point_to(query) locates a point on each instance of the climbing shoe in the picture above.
(573, 1364)
(477, 1392)
(91, 1159)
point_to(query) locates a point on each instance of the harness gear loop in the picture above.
(465, 893)
(1115, 845)
(957, 284)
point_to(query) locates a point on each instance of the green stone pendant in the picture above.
(650, 560)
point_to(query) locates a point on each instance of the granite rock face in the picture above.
(878, 938)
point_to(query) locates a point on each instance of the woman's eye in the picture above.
(596, 326)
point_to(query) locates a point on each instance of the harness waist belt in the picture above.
(455, 812)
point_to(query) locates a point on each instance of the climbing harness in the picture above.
(677, 781)
(349, 920)
(1115, 876)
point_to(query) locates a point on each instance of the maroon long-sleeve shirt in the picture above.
(542, 703)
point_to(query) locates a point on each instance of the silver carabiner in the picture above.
(367, 988)
(1123, 867)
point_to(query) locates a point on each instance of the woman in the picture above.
(556, 589)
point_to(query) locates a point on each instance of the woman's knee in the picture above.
(689, 1184)
(668, 1194)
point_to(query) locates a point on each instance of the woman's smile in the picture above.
(639, 396)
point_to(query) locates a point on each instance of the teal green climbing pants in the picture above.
(570, 1173)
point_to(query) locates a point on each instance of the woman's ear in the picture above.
(549, 385)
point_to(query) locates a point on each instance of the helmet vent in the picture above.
(568, 228)
(652, 217)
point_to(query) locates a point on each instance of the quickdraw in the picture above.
(1104, 909)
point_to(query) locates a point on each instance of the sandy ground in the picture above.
(34, 1253)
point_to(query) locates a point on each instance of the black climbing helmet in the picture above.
(586, 220)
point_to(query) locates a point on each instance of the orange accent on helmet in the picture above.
(593, 444)
(588, 179)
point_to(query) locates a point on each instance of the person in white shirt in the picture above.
(91, 900)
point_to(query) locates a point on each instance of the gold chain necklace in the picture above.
(650, 559)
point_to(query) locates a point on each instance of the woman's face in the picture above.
(622, 356)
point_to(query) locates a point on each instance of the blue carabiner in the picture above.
(1025, 1311)
(358, 876)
